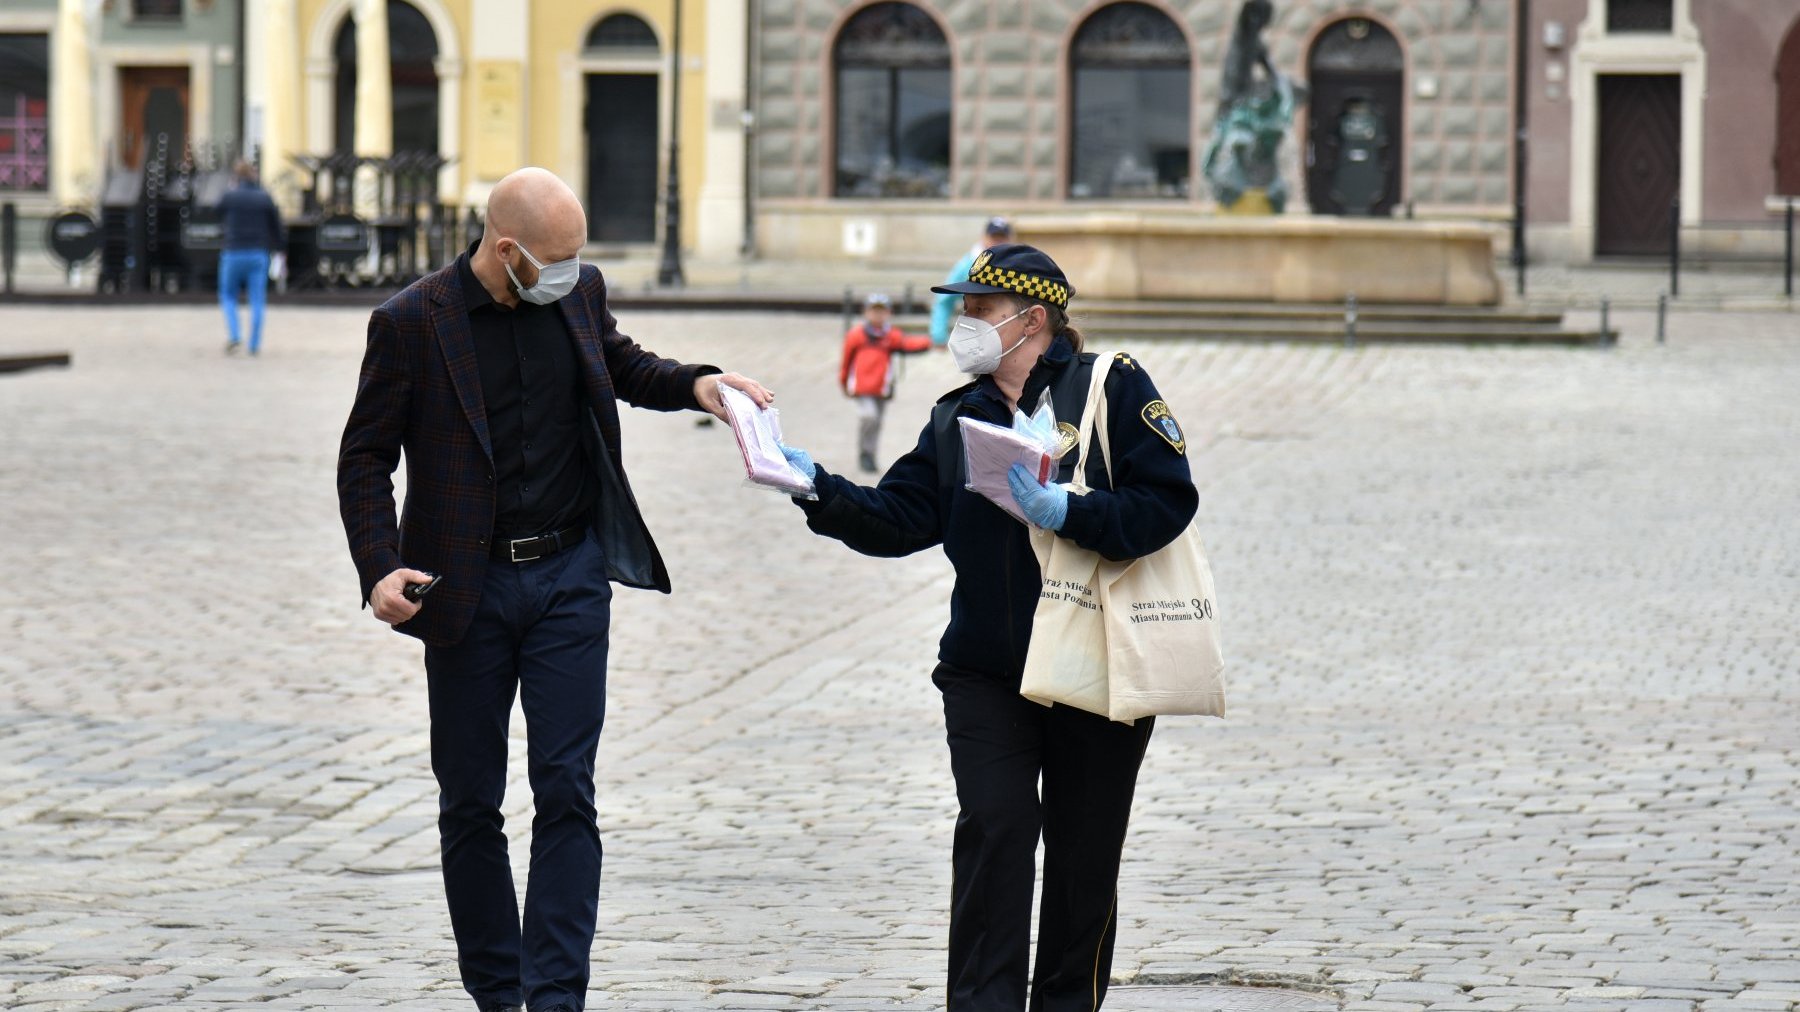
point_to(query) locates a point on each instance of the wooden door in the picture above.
(622, 157)
(1640, 163)
(152, 101)
(1787, 120)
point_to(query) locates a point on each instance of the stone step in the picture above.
(1333, 331)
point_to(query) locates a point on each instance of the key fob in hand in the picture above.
(414, 591)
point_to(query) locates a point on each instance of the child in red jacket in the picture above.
(866, 374)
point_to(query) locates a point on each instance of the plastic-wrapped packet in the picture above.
(758, 432)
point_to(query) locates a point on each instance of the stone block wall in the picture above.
(1010, 65)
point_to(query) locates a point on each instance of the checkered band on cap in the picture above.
(1054, 292)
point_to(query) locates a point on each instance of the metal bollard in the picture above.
(1605, 331)
(849, 309)
(1662, 313)
(1787, 267)
(1675, 247)
(1350, 320)
(9, 241)
(906, 303)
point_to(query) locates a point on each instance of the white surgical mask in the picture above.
(554, 280)
(975, 344)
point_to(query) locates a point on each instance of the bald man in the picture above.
(499, 377)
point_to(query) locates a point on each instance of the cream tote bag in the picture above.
(1123, 639)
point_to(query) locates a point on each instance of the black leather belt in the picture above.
(527, 549)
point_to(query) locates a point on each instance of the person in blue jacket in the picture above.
(943, 308)
(1014, 337)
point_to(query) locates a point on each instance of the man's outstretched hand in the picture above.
(706, 391)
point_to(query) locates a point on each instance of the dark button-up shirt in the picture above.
(531, 386)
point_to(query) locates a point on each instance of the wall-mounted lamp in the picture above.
(1553, 35)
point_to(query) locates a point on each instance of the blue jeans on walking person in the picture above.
(540, 632)
(248, 269)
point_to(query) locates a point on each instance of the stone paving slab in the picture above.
(1513, 697)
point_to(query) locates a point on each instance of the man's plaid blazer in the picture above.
(420, 391)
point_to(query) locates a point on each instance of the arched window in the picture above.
(412, 60)
(1131, 131)
(1354, 147)
(891, 68)
(1787, 113)
(622, 34)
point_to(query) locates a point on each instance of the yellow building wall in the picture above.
(558, 91)
(310, 12)
(554, 91)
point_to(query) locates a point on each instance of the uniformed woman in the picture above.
(1015, 339)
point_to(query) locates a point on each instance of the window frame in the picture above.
(939, 61)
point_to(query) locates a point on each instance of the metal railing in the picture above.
(1681, 253)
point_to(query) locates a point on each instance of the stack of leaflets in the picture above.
(990, 451)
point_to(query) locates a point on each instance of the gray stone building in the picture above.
(889, 130)
(882, 127)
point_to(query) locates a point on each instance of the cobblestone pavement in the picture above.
(1515, 719)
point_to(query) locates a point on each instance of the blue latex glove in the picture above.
(799, 460)
(1047, 506)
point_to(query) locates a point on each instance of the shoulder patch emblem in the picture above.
(1161, 420)
(1066, 438)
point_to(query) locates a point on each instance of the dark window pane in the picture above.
(1131, 128)
(1131, 133)
(893, 105)
(412, 55)
(1640, 15)
(412, 52)
(24, 112)
(156, 10)
(622, 31)
(864, 126)
(922, 127)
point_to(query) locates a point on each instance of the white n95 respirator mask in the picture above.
(975, 344)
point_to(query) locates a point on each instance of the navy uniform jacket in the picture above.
(997, 578)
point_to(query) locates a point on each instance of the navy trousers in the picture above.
(1001, 746)
(541, 632)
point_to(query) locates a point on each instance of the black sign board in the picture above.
(343, 238)
(203, 236)
(73, 236)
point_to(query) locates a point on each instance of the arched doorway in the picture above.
(1130, 126)
(891, 77)
(1787, 116)
(622, 124)
(412, 61)
(1354, 139)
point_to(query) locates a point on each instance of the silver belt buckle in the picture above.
(512, 548)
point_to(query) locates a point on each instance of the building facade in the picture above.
(881, 127)
(583, 87)
(813, 130)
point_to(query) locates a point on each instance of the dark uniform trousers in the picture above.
(540, 631)
(1000, 744)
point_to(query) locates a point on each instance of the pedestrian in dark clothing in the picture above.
(1014, 336)
(499, 377)
(252, 232)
